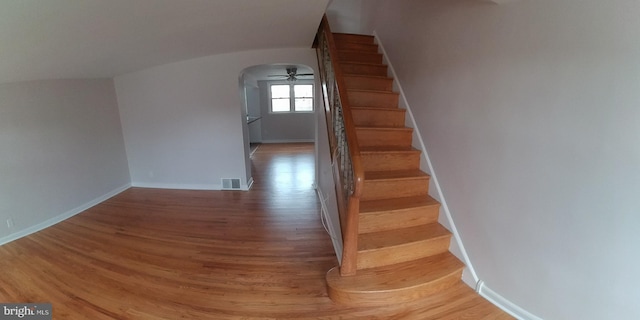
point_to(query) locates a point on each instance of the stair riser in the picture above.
(354, 46)
(373, 99)
(364, 69)
(386, 189)
(341, 38)
(369, 83)
(394, 118)
(378, 161)
(361, 57)
(375, 138)
(375, 298)
(396, 219)
(406, 252)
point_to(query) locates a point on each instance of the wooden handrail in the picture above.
(350, 174)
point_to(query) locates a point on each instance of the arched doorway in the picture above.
(279, 102)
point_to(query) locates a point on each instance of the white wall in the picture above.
(530, 113)
(285, 127)
(352, 16)
(182, 122)
(345, 15)
(62, 149)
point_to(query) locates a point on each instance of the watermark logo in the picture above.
(30, 311)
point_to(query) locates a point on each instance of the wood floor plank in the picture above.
(179, 254)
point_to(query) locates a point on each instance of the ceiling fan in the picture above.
(292, 74)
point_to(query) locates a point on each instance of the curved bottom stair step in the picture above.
(398, 283)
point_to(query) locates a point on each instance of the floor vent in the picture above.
(230, 184)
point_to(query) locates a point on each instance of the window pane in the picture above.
(305, 104)
(303, 90)
(280, 105)
(280, 91)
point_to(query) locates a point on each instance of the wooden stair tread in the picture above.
(373, 98)
(352, 37)
(385, 184)
(368, 46)
(373, 91)
(348, 52)
(356, 75)
(398, 276)
(355, 46)
(395, 157)
(386, 128)
(358, 51)
(373, 82)
(395, 204)
(385, 108)
(400, 212)
(360, 63)
(374, 109)
(392, 117)
(383, 149)
(398, 237)
(359, 56)
(377, 109)
(356, 68)
(384, 136)
(395, 174)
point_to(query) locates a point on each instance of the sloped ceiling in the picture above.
(54, 39)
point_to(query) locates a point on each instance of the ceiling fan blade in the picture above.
(304, 74)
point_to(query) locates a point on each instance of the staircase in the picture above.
(402, 250)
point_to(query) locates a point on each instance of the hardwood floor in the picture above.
(176, 254)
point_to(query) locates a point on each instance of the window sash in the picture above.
(299, 98)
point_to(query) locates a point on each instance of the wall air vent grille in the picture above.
(230, 184)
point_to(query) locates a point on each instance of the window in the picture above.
(291, 98)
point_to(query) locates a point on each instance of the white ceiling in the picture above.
(268, 71)
(53, 39)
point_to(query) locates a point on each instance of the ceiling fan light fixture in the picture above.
(291, 72)
(291, 75)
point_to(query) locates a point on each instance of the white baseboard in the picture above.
(177, 186)
(59, 218)
(470, 271)
(504, 304)
(289, 141)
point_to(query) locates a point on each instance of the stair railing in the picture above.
(345, 152)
